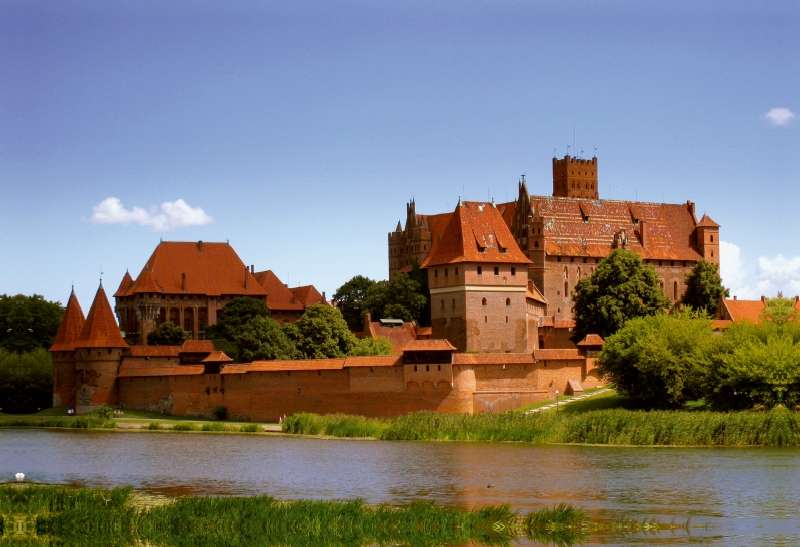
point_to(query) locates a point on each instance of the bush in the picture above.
(104, 412)
(250, 428)
(154, 426)
(184, 427)
(214, 427)
(219, 412)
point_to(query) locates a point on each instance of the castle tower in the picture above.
(708, 239)
(478, 279)
(575, 178)
(63, 353)
(98, 354)
(411, 245)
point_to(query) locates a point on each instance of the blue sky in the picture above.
(298, 130)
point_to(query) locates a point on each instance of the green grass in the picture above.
(616, 426)
(561, 398)
(85, 517)
(54, 411)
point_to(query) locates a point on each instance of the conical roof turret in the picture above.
(101, 329)
(71, 326)
(126, 283)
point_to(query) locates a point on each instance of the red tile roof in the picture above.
(71, 325)
(493, 359)
(706, 221)
(551, 321)
(592, 340)
(217, 357)
(211, 269)
(197, 346)
(476, 233)
(100, 329)
(398, 337)
(429, 345)
(557, 354)
(424, 331)
(534, 294)
(124, 285)
(154, 351)
(742, 310)
(287, 366)
(373, 361)
(138, 372)
(279, 297)
(308, 295)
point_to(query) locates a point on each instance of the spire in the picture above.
(145, 283)
(399, 227)
(126, 283)
(100, 329)
(71, 325)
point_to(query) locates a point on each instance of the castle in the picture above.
(500, 279)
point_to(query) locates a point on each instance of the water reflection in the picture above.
(728, 493)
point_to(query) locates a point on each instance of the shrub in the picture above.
(104, 411)
(184, 427)
(219, 412)
(154, 426)
(250, 428)
(214, 427)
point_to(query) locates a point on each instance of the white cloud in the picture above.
(170, 215)
(770, 276)
(779, 116)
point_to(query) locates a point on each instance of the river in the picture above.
(728, 496)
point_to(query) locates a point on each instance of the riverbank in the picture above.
(619, 427)
(44, 514)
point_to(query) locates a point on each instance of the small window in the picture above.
(712, 254)
(483, 302)
(454, 304)
(485, 318)
(712, 239)
(508, 301)
(446, 272)
(439, 367)
(442, 304)
(536, 244)
(427, 368)
(415, 368)
(480, 270)
(496, 270)
(566, 289)
(506, 319)
(435, 274)
(675, 290)
(456, 272)
(513, 271)
(559, 259)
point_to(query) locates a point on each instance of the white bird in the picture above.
(20, 477)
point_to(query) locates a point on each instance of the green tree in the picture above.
(372, 346)
(659, 360)
(399, 298)
(167, 334)
(704, 289)
(262, 338)
(26, 381)
(621, 288)
(779, 310)
(234, 315)
(755, 364)
(28, 322)
(349, 299)
(321, 333)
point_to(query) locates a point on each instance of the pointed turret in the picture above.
(71, 325)
(100, 329)
(126, 283)
(146, 284)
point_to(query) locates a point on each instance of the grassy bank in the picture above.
(57, 515)
(778, 427)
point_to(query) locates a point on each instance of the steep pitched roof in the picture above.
(592, 340)
(71, 325)
(100, 329)
(534, 294)
(124, 285)
(211, 269)
(279, 296)
(398, 337)
(308, 295)
(706, 221)
(476, 232)
(217, 357)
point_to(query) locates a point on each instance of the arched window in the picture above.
(508, 301)
(483, 302)
(579, 272)
(566, 273)
(536, 244)
(566, 288)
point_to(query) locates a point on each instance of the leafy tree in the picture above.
(755, 364)
(621, 288)
(321, 333)
(372, 346)
(167, 334)
(263, 338)
(399, 298)
(349, 299)
(234, 315)
(704, 289)
(26, 381)
(659, 360)
(421, 276)
(779, 310)
(28, 322)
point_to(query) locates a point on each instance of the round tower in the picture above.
(62, 353)
(98, 354)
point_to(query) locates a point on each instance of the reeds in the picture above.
(88, 517)
(778, 427)
(81, 422)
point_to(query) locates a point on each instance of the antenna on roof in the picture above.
(554, 151)
(568, 147)
(101, 274)
(595, 151)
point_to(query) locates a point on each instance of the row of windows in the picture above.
(480, 271)
(483, 303)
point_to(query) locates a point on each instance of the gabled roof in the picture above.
(742, 310)
(308, 295)
(707, 222)
(534, 294)
(217, 357)
(71, 325)
(124, 285)
(100, 329)
(429, 345)
(398, 337)
(212, 269)
(279, 297)
(476, 232)
(592, 340)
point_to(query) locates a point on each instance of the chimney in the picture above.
(200, 245)
(764, 299)
(643, 231)
(252, 268)
(367, 321)
(246, 278)
(183, 281)
(734, 297)
(690, 206)
(325, 299)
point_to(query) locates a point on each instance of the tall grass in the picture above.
(81, 422)
(87, 518)
(778, 427)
